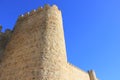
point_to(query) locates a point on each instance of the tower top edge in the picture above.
(39, 9)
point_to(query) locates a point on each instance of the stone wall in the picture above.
(77, 74)
(4, 39)
(36, 49)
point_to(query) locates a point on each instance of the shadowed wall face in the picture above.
(4, 39)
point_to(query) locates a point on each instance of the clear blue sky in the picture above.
(92, 31)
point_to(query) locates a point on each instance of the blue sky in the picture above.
(92, 31)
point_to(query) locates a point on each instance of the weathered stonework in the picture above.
(36, 49)
(4, 38)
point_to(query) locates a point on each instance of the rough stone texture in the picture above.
(4, 38)
(36, 49)
(77, 74)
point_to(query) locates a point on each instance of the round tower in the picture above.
(36, 50)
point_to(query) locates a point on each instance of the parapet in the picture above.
(6, 35)
(7, 32)
(39, 10)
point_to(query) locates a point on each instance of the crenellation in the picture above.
(34, 10)
(55, 7)
(40, 9)
(5, 34)
(22, 15)
(46, 7)
(28, 13)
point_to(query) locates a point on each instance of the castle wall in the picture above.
(37, 48)
(4, 39)
(77, 74)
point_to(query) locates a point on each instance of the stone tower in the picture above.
(36, 49)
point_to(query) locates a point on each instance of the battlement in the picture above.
(6, 33)
(39, 10)
(5, 36)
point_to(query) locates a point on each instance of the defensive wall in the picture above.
(4, 38)
(35, 49)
